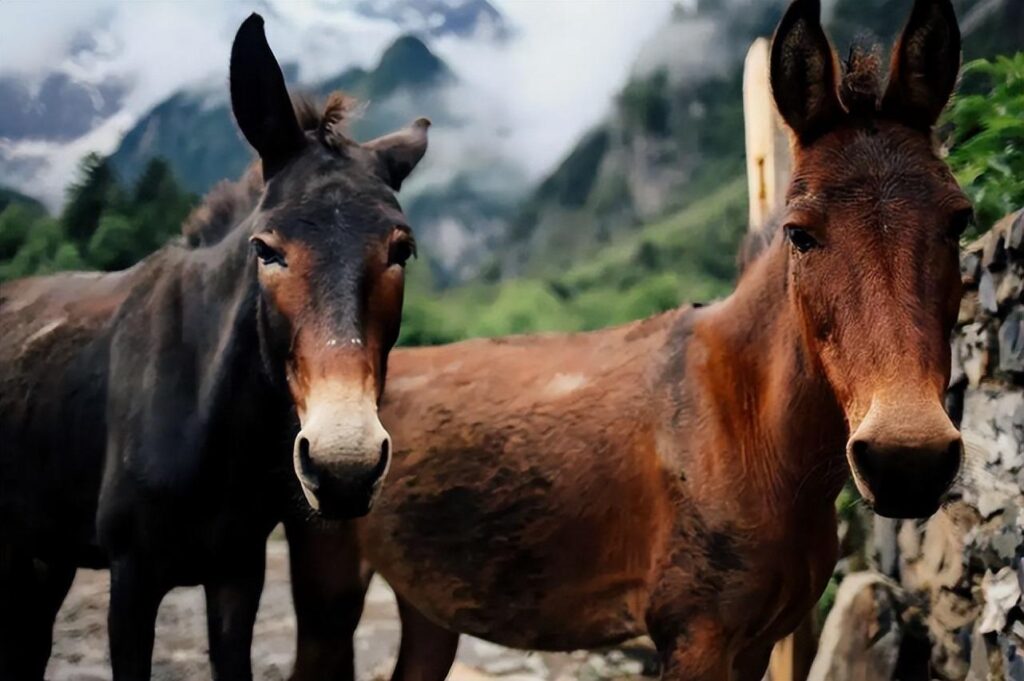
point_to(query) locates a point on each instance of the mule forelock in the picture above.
(330, 120)
(860, 89)
(229, 202)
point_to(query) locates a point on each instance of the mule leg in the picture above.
(427, 650)
(31, 593)
(693, 649)
(231, 606)
(328, 588)
(135, 595)
(752, 664)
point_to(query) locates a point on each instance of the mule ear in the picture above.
(259, 98)
(925, 63)
(803, 72)
(398, 153)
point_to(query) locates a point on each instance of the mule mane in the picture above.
(230, 201)
(860, 91)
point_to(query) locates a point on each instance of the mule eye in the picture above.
(400, 251)
(960, 222)
(801, 239)
(266, 254)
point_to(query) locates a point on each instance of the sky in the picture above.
(552, 81)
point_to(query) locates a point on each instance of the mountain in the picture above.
(675, 132)
(76, 87)
(196, 133)
(459, 201)
(60, 108)
(464, 18)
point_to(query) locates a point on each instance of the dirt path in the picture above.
(80, 639)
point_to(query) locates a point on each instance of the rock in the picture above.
(974, 346)
(987, 293)
(970, 268)
(1013, 663)
(940, 565)
(1001, 592)
(1014, 230)
(993, 424)
(993, 257)
(1011, 342)
(980, 664)
(990, 502)
(862, 634)
(887, 550)
(1010, 286)
(969, 308)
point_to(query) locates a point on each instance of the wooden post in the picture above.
(768, 163)
(768, 170)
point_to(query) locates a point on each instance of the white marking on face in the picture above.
(564, 384)
(341, 424)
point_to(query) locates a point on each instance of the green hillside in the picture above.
(687, 256)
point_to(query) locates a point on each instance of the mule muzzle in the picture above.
(905, 462)
(341, 465)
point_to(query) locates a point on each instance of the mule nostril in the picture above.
(306, 463)
(382, 462)
(861, 452)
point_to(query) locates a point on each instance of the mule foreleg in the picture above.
(135, 595)
(427, 650)
(31, 593)
(328, 589)
(693, 649)
(232, 602)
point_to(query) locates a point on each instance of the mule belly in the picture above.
(520, 554)
(555, 617)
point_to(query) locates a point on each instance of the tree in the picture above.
(116, 244)
(987, 139)
(15, 222)
(95, 191)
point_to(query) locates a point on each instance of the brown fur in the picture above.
(676, 476)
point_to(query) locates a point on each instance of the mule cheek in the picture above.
(384, 319)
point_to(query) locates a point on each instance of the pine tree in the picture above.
(95, 191)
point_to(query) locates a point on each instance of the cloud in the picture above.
(528, 98)
(555, 78)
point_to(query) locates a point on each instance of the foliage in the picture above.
(687, 256)
(644, 103)
(95, 190)
(102, 226)
(987, 139)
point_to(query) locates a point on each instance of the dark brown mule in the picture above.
(148, 418)
(676, 476)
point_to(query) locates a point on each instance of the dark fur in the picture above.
(229, 202)
(146, 423)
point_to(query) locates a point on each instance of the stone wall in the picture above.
(945, 594)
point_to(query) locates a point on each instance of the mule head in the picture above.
(330, 243)
(873, 220)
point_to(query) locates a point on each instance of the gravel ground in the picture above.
(80, 639)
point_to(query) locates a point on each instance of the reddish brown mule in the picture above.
(676, 476)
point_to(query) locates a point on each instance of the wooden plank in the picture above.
(767, 142)
(768, 170)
